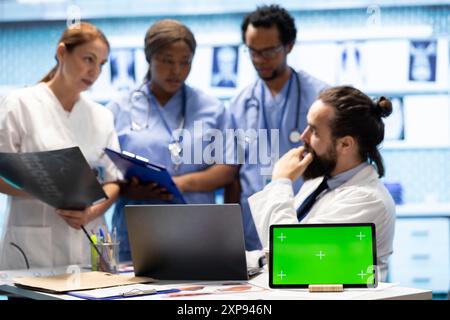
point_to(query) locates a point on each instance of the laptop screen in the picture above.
(301, 255)
(187, 242)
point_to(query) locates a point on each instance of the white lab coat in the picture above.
(362, 199)
(32, 119)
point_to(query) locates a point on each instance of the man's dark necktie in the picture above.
(304, 208)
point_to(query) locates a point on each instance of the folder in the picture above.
(132, 165)
(61, 178)
(78, 281)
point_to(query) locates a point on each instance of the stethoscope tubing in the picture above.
(148, 98)
(254, 102)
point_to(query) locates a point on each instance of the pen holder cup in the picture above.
(109, 259)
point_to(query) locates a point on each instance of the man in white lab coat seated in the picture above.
(341, 166)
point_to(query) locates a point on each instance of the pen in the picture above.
(94, 239)
(108, 238)
(94, 255)
(94, 245)
(167, 291)
(110, 248)
(187, 294)
(102, 234)
(90, 239)
(138, 292)
(114, 235)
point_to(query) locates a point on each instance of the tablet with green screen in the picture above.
(304, 254)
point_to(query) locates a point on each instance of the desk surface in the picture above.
(384, 291)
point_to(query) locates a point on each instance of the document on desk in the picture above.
(78, 281)
(61, 178)
(262, 280)
(7, 276)
(171, 291)
(123, 292)
(201, 289)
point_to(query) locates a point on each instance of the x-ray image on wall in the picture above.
(350, 64)
(422, 61)
(225, 66)
(394, 126)
(123, 76)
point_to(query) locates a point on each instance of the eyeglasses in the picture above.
(265, 53)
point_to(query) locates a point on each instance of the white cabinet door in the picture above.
(421, 257)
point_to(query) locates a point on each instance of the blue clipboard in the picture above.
(132, 166)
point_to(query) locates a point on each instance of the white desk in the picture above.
(389, 292)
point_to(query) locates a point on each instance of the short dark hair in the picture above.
(358, 116)
(266, 17)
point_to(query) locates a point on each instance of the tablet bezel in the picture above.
(305, 285)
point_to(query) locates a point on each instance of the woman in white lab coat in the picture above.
(53, 115)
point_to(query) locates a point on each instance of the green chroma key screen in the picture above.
(322, 254)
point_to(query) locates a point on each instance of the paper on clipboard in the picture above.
(122, 292)
(174, 291)
(78, 281)
(134, 166)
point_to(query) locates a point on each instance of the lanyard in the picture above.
(183, 113)
(263, 108)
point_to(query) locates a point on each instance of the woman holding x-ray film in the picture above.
(50, 115)
(157, 122)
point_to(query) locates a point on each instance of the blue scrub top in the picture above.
(202, 111)
(255, 173)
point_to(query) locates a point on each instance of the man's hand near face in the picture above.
(292, 164)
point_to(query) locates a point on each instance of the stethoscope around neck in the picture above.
(175, 147)
(253, 102)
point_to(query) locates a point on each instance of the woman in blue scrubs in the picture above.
(149, 122)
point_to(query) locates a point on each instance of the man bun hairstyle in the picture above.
(358, 116)
(382, 107)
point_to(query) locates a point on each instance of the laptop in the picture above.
(314, 254)
(187, 242)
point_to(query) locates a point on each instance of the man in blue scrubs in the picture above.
(277, 102)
